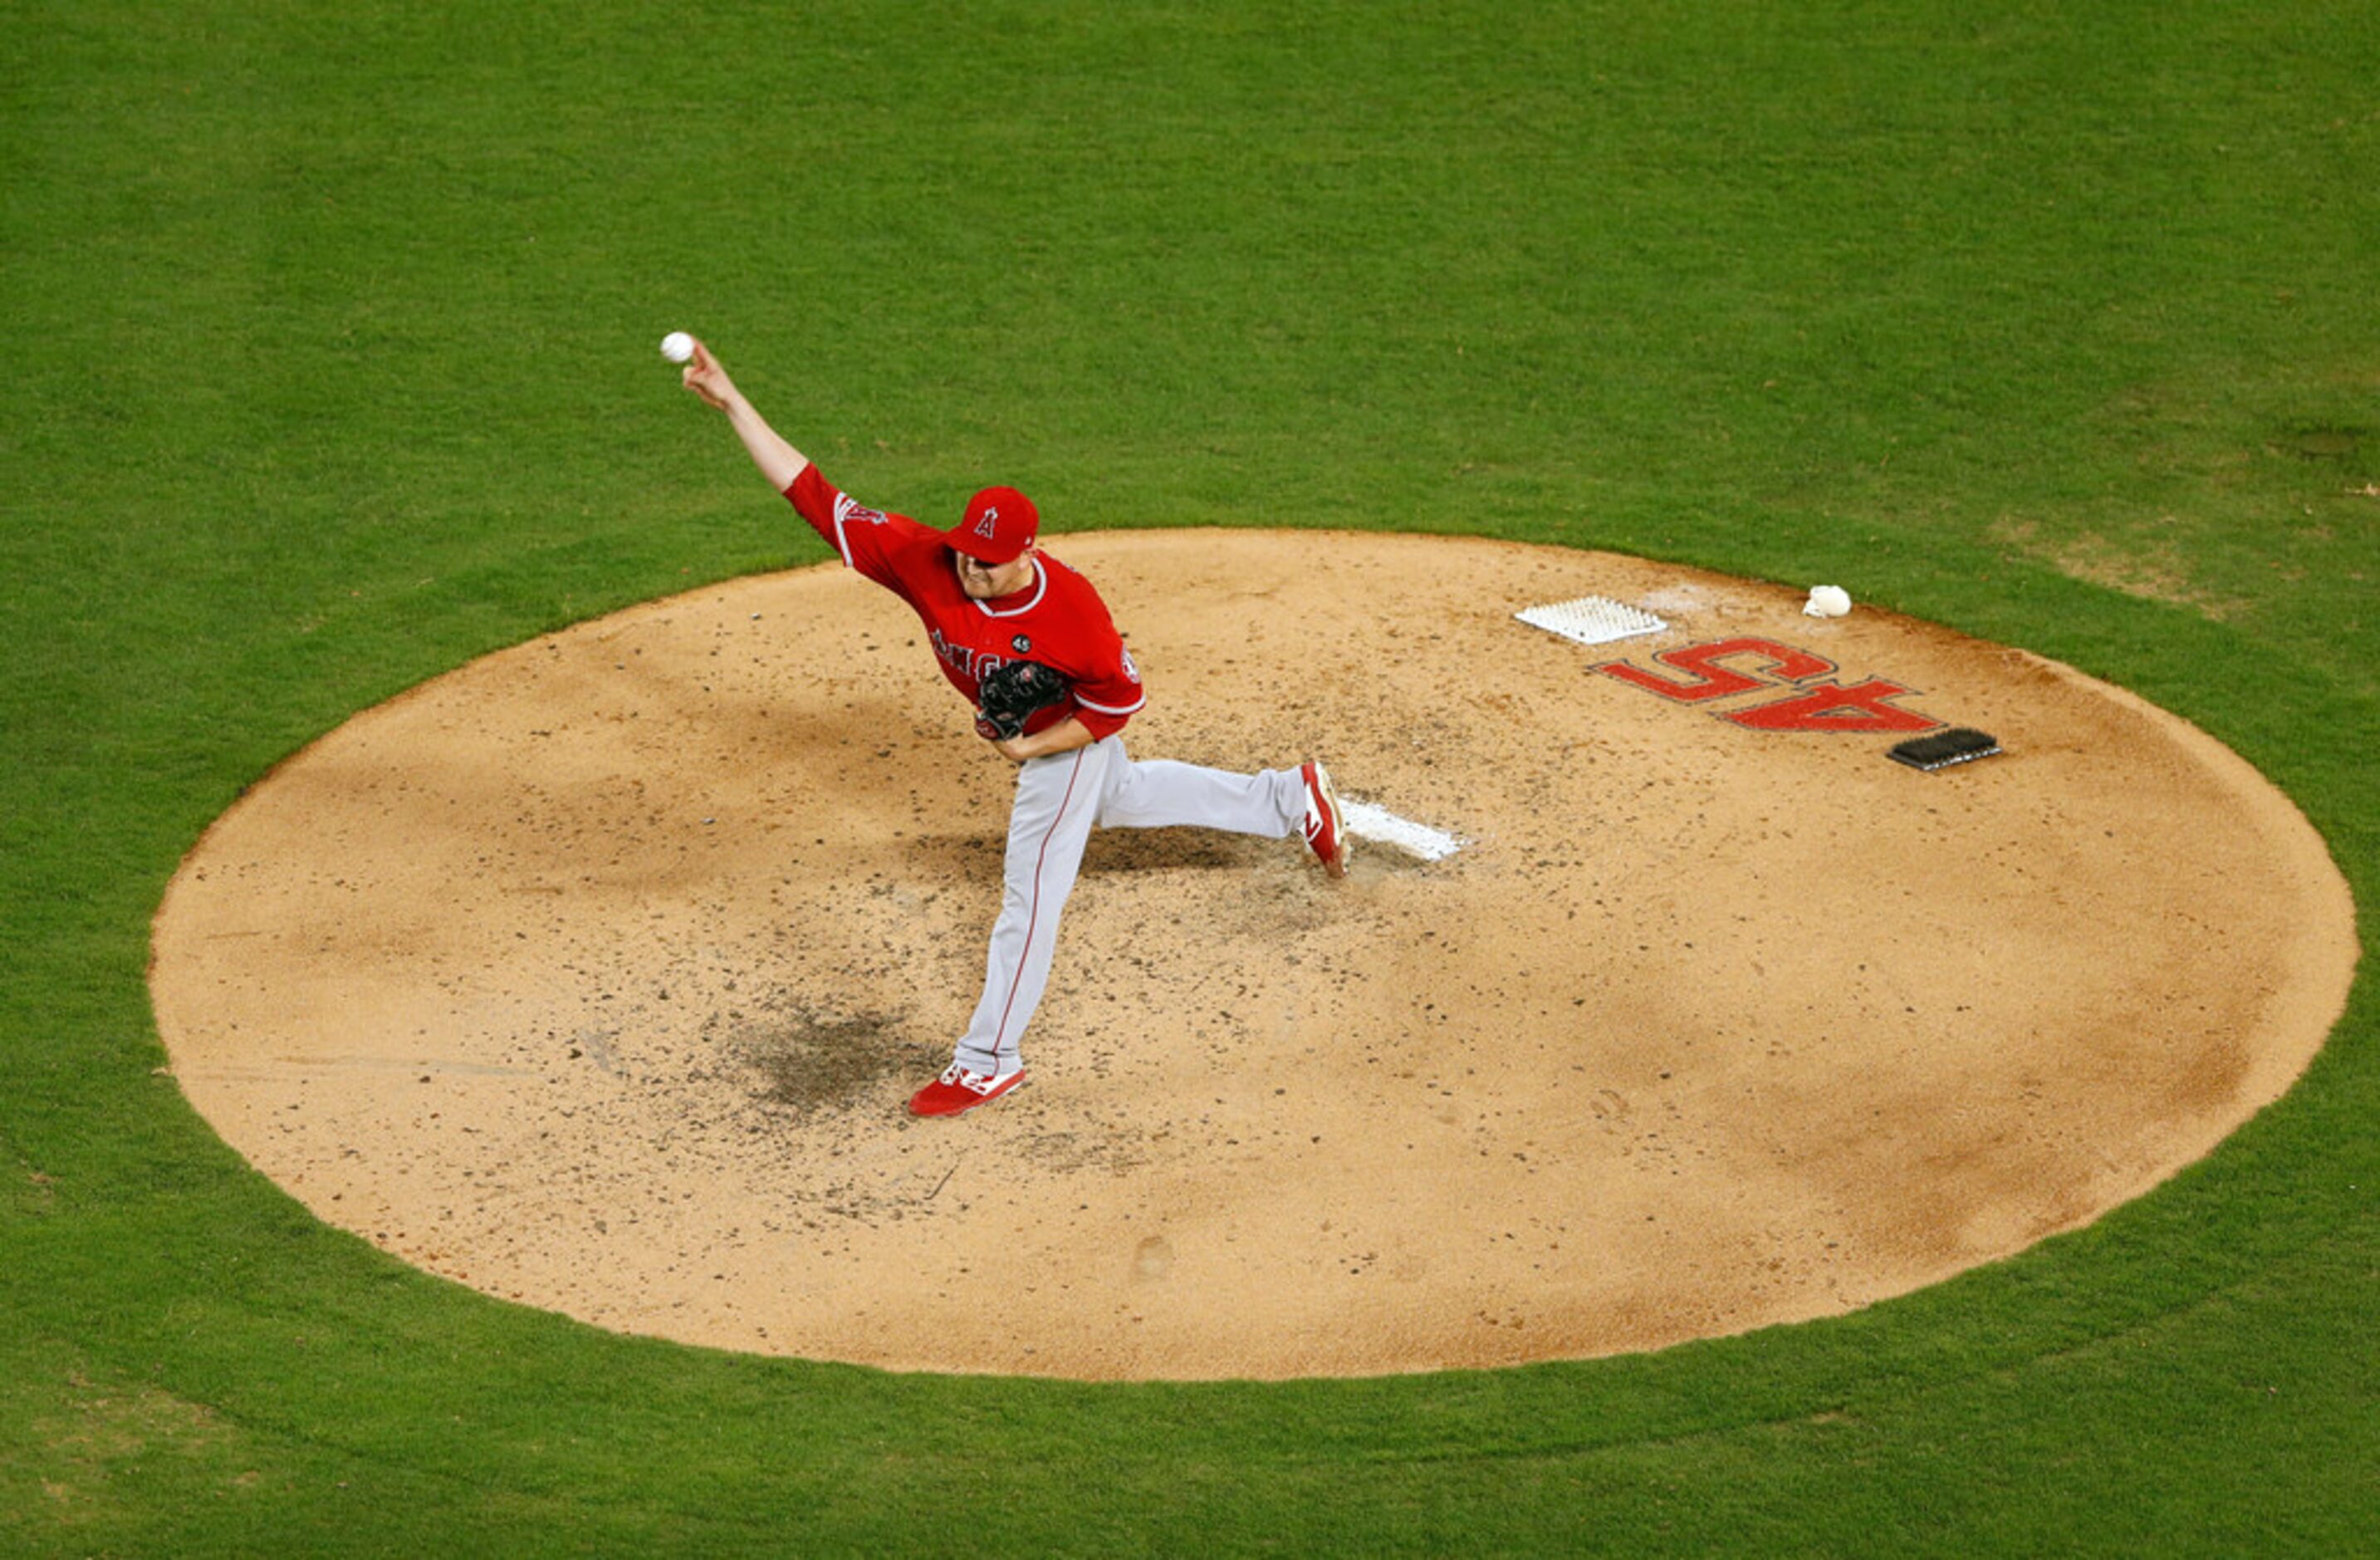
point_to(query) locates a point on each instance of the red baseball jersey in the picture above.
(1058, 620)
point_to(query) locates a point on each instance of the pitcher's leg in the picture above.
(1164, 794)
(1056, 800)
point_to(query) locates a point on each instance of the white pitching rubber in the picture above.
(1365, 821)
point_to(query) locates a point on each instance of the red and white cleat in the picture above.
(1325, 830)
(961, 1089)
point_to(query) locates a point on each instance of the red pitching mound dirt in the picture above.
(595, 974)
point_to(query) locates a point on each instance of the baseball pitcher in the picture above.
(1028, 643)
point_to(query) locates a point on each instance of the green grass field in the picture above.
(331, 332)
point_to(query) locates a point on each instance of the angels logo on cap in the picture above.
(1000, 523)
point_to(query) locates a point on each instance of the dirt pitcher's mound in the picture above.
(595, 974)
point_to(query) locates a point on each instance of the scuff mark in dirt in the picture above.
(805, 1060)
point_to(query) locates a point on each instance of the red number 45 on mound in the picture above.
(1828, 706)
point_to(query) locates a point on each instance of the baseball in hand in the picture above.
(678, 347)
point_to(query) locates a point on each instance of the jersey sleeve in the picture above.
(867, 540)
(1110, 694)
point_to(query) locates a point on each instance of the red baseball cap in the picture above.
(1001, 523)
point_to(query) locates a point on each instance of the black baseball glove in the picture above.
(1013, 693)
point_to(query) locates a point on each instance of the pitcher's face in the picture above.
(984, 582)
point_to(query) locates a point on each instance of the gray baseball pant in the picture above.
(1058, 800)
